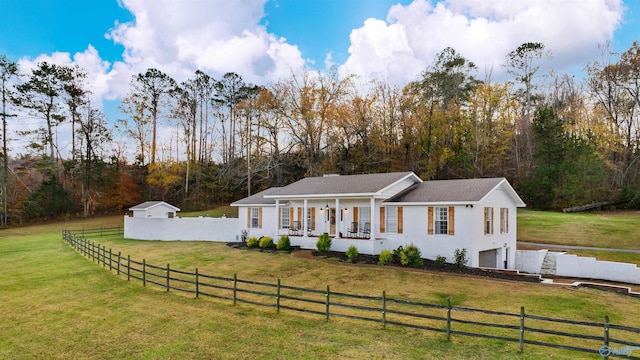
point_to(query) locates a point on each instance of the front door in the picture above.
(332, 221)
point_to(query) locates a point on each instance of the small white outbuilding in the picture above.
(154, 209)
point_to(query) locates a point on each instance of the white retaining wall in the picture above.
(588, 267)
(530, 261)
(580, 267)
(186, 229)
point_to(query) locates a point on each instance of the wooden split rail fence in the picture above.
(602, 338)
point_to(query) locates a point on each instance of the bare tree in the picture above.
(139, 127)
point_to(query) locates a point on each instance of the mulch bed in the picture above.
(428, 265)
(364, 259)
(243, 246)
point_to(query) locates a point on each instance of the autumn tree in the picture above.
(615, 86)
(137, 126)
(437, 98)
(309, 108)
(270, 119)
(389, 112)
(491, 116)
(165, 176)
(630, 83)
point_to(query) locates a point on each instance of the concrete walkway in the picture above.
(569, 247)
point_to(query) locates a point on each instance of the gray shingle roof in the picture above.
(471, 190)
(149, 204)
(343, 184)
(258, 198)
(436, 191)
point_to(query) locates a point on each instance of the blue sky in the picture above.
(318, 27)
(267, 40)
(35, 27)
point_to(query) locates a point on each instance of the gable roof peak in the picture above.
(345, 184)
(459, 190)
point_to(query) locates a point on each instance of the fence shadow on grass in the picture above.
(601, 338)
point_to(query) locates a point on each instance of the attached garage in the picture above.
(488, 258)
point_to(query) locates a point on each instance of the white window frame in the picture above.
(284, 217)
(488, 225)
(391, 220)
(504, 220)
(441, 220)
(255, 218)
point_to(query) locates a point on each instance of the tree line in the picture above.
(559, 141)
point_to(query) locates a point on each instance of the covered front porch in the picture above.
(341, 218)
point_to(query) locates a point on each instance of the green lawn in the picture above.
(619, 230)
(608, 230)
(56, 304)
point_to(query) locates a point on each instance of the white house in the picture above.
(154, 209)
(375, 212)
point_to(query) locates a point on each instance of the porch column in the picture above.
(373, 217)
(338, 220)
(277, 218)
(305, 226)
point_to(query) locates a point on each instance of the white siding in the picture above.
(468, 231)
(269, 222)
(157, 211)
(496, 199)
(415, 231)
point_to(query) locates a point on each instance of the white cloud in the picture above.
(482, 31)
(179, 37)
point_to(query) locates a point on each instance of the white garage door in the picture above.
(488, 258)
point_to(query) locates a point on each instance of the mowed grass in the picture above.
(56, 304)
(617, 230)
(607, 230)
